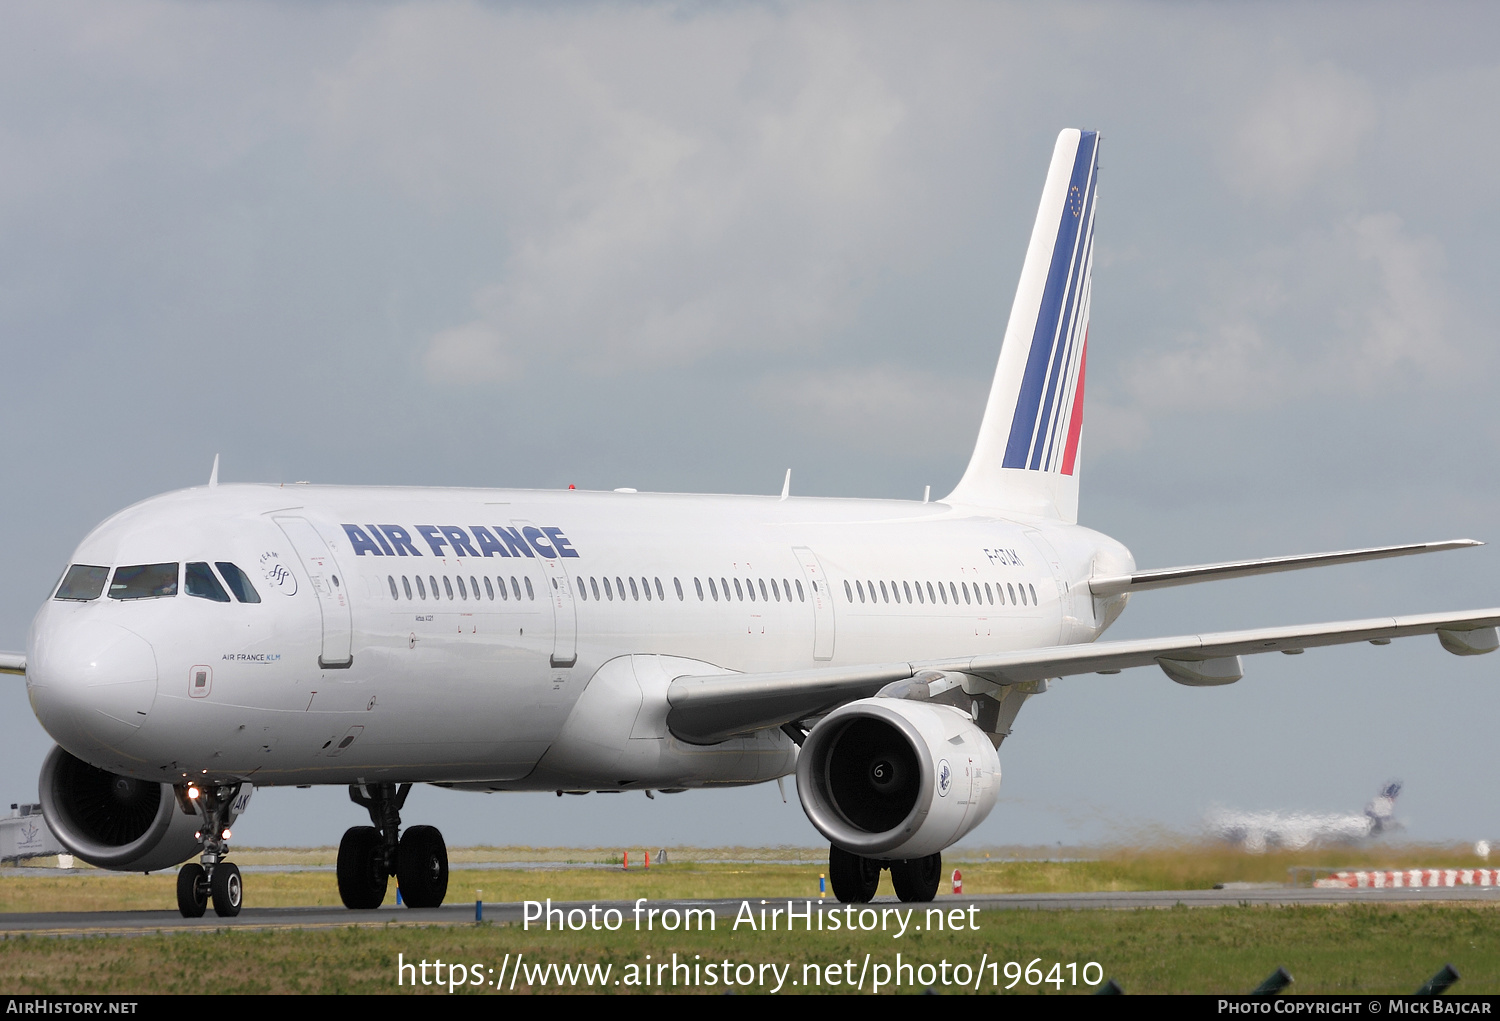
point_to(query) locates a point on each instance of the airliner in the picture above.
(1258, 832)
(210, 641)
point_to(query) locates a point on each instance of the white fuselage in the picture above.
(344, 673)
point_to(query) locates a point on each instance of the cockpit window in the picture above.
(238, 582)
(144, 581)
(83, 582)
(200, 581)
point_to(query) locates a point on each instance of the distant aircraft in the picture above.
(209, 641)
(1258, 832)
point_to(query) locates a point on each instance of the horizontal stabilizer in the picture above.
(1167, 576)
(12, 663)
(708, 709)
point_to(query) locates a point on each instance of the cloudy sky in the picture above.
(684, 247)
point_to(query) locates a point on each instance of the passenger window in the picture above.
(776, 592)
(739, 593)
(645, 588)
(489, 590)
(421, 589)
(406, 585)
(530, 594)
(448, 586)
(954, 589)
(786, 587)
(965, 587)
(662, 595)
(583, 589)
(724, 583)
(83, 583)
(749, 588)
(515, 586)
(500, 584)
(594, 587)
(699, 586)
(238, 582)
(714, 589)
(677, 584)
(392, 579)
(861, 589)
(199, 581)
(907, 589)
(883, 597)
(848, 591)
(432, 581)
(801, 598)
(1034, 600)
(1012, 590)
(1023, 593)
(931, 596)
(989, 596)
(144, 581)
(462, 590)
(944, 593)
(474, 586)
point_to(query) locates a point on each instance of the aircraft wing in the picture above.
(705, 710)
(13, 663)
(1168, 576)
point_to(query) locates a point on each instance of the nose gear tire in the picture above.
(192, 890)
(227, 889)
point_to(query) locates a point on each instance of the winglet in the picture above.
(786, 486)
(213, 476)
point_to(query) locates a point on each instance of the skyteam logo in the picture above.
(944, 778)
(1049, 408)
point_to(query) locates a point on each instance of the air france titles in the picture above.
(453, 541)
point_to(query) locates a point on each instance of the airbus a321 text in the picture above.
(225, 636)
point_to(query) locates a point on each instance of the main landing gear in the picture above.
(210, 878)
(855, 879)
(369, 855)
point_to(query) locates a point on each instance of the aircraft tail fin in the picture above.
(1026, 459)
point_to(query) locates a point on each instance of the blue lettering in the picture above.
(385, 547)
(564, 548)
(361, 542)
(539, 542)
(436, 541)
(399, 538)
(488, 544)
(459, 540)
(513, 542)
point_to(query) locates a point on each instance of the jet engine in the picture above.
(112, 821)
(892, 778)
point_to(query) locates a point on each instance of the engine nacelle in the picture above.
(891, 778)
(112, 821)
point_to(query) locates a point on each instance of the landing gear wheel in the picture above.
(422, 867)
(192, 890)
(361, 868)
(917, 879)
(854, 879)
(227, 889)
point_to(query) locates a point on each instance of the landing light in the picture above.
(193, 793)
(226, 833)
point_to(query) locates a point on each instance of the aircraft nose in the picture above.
(91, 682)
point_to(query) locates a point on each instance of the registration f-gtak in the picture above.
(210, 641)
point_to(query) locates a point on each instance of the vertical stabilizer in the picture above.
(1027, 456)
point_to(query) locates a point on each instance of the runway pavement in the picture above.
(135, 923)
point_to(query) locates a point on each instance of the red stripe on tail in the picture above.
(1075, 422)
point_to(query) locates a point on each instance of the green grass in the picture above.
(1352, 949)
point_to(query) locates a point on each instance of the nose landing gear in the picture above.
(211, 878)
(370, 855)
